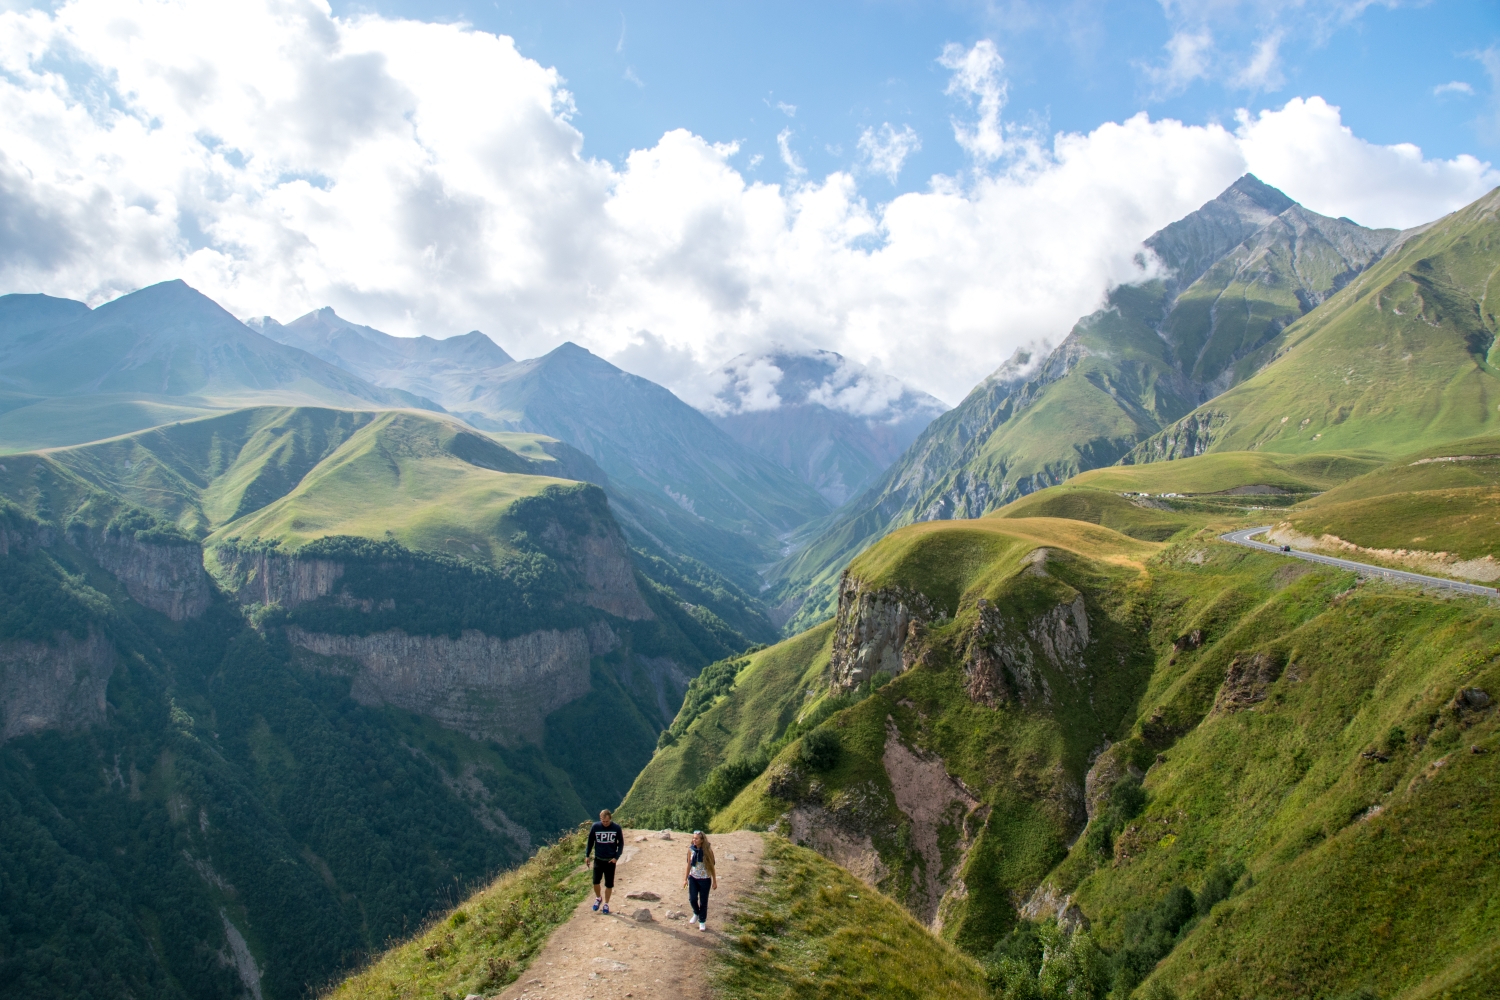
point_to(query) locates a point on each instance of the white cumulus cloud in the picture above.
(427, 178)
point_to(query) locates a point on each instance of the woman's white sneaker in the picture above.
(703, 925)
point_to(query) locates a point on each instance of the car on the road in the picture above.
(1286, 548)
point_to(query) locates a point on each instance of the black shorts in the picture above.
(604, 868)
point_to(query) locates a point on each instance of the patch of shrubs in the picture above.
(1044, 962)
(1126, 800)
(820, 749)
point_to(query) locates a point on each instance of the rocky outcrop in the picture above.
(1046, 903)
(265, 576)
(166, 578)
(1247, 681)
(874, 631)
(56, 685)
(811, 825)
(21, 537)
(1003, 655)
(1190, 436)
(477, 684)
(1108, 770)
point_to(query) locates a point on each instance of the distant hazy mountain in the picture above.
(677, 478)
(447, 371)
(1236, 272)
(158, 354)
(834, 423)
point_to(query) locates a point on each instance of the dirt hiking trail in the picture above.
(598, 956)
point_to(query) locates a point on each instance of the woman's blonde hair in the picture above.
(708, 850)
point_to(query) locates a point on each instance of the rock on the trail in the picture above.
(665, 835)
(642, 838)
(610, 965)
(646, 895)
(643, 915)
(675, 914)
(731, 857)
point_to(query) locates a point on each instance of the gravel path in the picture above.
(1242, 537)
(598, 956)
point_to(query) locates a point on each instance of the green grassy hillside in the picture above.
(1220, 473)
(488, 939)
(1433, 511)
(1289, 774)
(811, 930)
(432, 485)
(732, 710)
(1400, 359)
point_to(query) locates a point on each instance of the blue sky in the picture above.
(724, 70)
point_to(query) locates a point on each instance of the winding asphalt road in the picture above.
(1242, 537)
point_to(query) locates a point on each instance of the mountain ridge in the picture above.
(156, 354)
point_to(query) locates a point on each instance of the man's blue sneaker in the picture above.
(597, 901)
(606, 908)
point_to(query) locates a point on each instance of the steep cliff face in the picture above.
(266, 576)
(169, 578)
(1004, 652)
(601, 559)
(54, 685)
(874, 629)
(484, 687)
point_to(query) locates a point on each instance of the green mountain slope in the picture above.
(1398, 360)
(1237, 271)
(158, 354)
(384, 693)
(1436, 511)
(680, 485)
(1225, 764)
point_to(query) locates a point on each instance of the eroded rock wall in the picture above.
(54, 685)
(485, 687)
(166, 578)
(1004, 654)
(603, 560)
(268, 577)
(875, 629)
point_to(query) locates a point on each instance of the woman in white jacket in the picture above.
(699, 877)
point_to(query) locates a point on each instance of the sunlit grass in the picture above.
(487, 941)
(813, 930)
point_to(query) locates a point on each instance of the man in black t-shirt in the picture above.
(606, 841)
